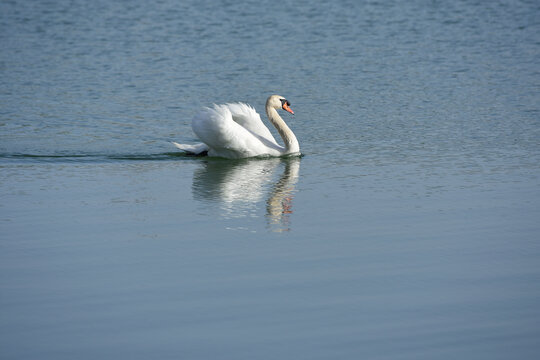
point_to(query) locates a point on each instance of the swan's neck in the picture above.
(289, 139)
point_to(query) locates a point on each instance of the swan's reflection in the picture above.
(241, 186)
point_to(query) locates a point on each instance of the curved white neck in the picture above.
(289, 139)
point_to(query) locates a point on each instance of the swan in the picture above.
(235, 131)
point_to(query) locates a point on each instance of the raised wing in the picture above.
(229, 138)
(247, 117)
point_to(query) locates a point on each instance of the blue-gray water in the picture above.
(410, 228)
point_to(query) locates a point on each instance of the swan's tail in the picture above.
(199, 149)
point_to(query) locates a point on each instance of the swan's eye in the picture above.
(285, 101)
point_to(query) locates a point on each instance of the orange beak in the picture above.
(287, 108)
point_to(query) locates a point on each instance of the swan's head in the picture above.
(279, 102)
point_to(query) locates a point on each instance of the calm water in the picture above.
(410, 228)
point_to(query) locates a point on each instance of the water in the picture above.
(408, 230)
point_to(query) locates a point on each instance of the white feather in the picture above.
(192, 149)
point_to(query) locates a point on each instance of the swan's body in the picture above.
(236, 131)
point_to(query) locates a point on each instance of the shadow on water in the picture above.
(242, 186)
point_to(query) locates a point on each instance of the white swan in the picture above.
(236, 131)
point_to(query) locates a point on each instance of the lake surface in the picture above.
(409, 228)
